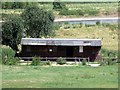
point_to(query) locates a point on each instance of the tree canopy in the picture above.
(38, 22)
(12, 30)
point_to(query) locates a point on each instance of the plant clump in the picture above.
(61, 61)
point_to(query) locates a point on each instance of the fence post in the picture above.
(75, 61)
(88, 60)
(79, 60)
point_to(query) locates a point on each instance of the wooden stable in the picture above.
(55, 48)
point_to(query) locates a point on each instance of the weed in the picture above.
(61, 61)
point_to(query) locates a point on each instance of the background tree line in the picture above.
(22, 5)
(16, 5)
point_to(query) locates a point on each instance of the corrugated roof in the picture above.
(61, 42)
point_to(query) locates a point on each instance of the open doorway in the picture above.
(69, 51)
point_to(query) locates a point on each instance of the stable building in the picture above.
(54, 48)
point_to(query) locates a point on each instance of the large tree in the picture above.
(38, 22)
(12, 30)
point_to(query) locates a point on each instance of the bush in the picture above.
(11, 61)
(7, 52)
(84, 62)
(98, 23)
(102, 62)
(8, 57)
(48, 62)
(110, 62)
(61, 61)
(57, 26)
(109, 53)
(36, 61)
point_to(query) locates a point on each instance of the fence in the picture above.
(79, 59)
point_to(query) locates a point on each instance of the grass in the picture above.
(111, 9)
(104, 33)
(60, 77)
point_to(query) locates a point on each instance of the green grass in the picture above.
(60, 77)
(110, 8)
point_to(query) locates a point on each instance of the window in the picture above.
(52, 49)
(28, 49)
(81, 49)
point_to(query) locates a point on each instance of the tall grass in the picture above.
(109, 37)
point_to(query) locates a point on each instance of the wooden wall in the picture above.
(59, 51)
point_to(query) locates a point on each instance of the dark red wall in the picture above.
(60, 51)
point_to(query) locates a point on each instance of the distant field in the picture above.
(105, 9)
(60, 77)
(109, 37)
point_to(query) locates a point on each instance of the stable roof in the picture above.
(61, 42)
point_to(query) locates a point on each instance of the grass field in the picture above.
(60, 77)
(105, 9)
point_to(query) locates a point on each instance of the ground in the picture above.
(60, 77)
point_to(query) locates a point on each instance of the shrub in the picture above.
(48, 62)
(10, 61)
(7, 52)
(98, 23)
(84, 62)
(8, 57)
(57, 26)
(102, 62)
(61, 61)
(109, 53)
(110, 62)
(36, 61)
(80, 25)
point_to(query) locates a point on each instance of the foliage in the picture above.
(36, 61)
(61, 61)
(38, 22)
(84, 62)
(107, 61)
(109, 53)
(16, 5)
(79, 12)
(111, 26)
(59, 5)
(7, 52)
(98, 23)
(8, 57)
(11, 61)
(110, 62)
(57, 26)
(12, 30)
(48, 62)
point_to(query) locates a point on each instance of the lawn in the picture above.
(60, 77)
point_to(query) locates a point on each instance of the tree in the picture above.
(12, 30)
(59, 5)
(16, 5)
(38, 22)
